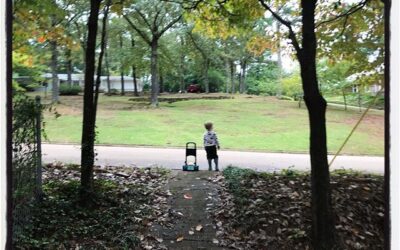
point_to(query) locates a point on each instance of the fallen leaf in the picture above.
(199, 228)
(187, 196)
(179, 239)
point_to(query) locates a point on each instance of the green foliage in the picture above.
(216, 80)
(290, 172)
(291, 86)
(262, 79)
(261, 87)
(16, 88)
(333, 77)
(358, 39)
(66, 89)
(24, 155)
(233, 177)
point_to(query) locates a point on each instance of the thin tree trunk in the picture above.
(322, 222)
(106, 58)
(103, 42)
(134, 76)
(122, 67)
(242, 77)
(135, 90)
(279, 89)
(54, 76)
(108, 72)
(228, 75)
(69, 67)
(122, 83)
(155, 88)
(182, 73)
(88, 133)
(232, 76)
(206, 80)
(344, 99)
(359, 100)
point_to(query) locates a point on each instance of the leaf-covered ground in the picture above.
(273, 211)
(127, 202)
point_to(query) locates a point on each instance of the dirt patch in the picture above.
(177, 98)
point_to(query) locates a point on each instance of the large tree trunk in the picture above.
(54, 76)
(205, 76)
(88, 133)
(155, 88)
(322, 218)
(69, 67)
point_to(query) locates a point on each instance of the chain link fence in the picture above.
(26, 159)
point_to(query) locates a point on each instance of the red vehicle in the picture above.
(194, 88)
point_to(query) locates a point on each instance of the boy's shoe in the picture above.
(217, 170)
(209, 169)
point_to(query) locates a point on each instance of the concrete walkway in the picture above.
(174, 158)
(192, 194)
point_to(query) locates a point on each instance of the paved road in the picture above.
(173, 158)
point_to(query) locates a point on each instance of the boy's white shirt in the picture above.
(210, 139)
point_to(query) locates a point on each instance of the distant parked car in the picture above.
(194, 88)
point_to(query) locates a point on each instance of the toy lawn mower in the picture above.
(191, 150)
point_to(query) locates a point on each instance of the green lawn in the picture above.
(242, 123)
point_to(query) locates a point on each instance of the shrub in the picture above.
(69, 90)
(261, 87)
(292, 86)
(146, 87)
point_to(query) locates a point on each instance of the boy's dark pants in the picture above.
(212, 154)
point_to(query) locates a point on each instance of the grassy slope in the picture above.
(242, 123)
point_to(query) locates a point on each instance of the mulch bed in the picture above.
(273, 211)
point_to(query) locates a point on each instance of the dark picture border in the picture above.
(9, 18)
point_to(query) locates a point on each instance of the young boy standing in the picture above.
(211, 144)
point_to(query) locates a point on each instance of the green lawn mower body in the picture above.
(191, 150)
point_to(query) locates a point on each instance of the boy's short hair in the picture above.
(208, 125)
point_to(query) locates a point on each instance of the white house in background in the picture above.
(115, 82)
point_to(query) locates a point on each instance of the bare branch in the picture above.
(292, 35)
(346, 14)
(204, 55)
(156, 19)
(140, 32)
(169, 25)
(143, 17)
